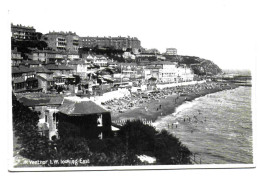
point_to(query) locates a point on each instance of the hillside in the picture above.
(206, 67)
(200, 66)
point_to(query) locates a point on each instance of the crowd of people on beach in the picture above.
(143, 99)
(134, 100)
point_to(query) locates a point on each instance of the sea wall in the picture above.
(111, 95)
(162, 86)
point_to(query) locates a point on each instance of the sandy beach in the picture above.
(164, 102)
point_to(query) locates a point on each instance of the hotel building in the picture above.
(63, 41)
(20, 32)
(116, 42)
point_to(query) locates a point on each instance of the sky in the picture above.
(223, 31)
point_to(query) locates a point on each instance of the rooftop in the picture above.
(73, 108)
(77, 62)
(21, 69)
(41, 70)
(44, 78)
(57, 67)
(30, 62)
(61, 33)
(21, 26)
(47, 51)
(41, 101)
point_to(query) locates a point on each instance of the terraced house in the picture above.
(23, 79)
(62, 74)
(45, 78)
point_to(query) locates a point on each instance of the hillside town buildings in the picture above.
(60, 69)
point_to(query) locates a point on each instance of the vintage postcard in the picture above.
(112, 85)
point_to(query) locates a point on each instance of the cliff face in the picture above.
(206, 67)
(199, 66)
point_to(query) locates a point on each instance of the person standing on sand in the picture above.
(199, 111)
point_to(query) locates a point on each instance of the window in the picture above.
(99, 121)
(46, 118)
(54, 117)
(100, 136)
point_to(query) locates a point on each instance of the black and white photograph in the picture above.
(131, 85)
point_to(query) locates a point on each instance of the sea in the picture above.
(217, 128)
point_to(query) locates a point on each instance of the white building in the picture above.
(172, 73)
(128, 55)
(73, 55)
(80, 67)
(100, 60)
(186, 74)
(168, 73)
(171, 51)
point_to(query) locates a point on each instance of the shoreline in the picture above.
(151, 111)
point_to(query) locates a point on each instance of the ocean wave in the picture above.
(228, 126)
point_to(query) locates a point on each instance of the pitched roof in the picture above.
(31, 62)
(19, 80)
(41, 70)
(77, 62)
(44, 78)
(21, 69)
(73, 108)
(153, 67)
(57, 67)
(41, 101)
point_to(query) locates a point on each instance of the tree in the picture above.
(138, 137)
(73, 147)
(144, 139)
(67, 130)
(112, 151)
(169, 150)
(33, 145)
